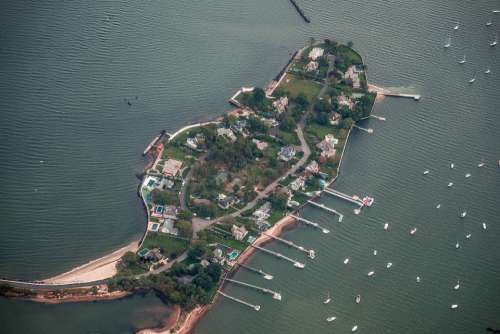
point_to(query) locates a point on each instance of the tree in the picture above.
(278, 200)
(214, 271)
(204, 281)
(197, 251)
(350, 44)
(164, 197)
(302, 100)
(346, 123)
(287, 123)
(185, 215)
(185, 228)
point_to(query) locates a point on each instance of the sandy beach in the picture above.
(102, 268)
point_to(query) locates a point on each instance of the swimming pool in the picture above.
(154, 227)
(233, 255)
(159, 209)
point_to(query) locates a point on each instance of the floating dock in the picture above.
(324, 207)
(311, 223)
(276, 295)
(296, 263)
(255, 307)
(310, 252)
(258, 271)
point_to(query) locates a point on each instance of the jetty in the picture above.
(309, 252)
(255, 307)
(311, 223)
(276, 295)
(324, 207)
(150, 146)
(387, 92)
(368, 130)
(349, 198)
(258, 271)
(380, 118)
(299, 10)
(296, 263)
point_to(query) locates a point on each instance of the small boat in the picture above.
(452, 165)
(457, 286)
(438, 206)
(358, 299)
(488, 71)
(457, 245)
(467, 236)
(484, 226)
(468, 175)
(354, 328)
(450, 184)
(481, 164)
(368, 201)
(389, 264)
(346, 261)
(374, 252)
(472, 80)
(386, 226)
(447, 44)
(489, 23)
(327, 299)
(494, 42)
(330, 319)
(463, 214)
(454, 306)
(426, 172)
(462, 61)
(418, 279)
(371, 273)
(311, 254)
(299, 265)
(413, 231)
(495, 11)
(456, 26)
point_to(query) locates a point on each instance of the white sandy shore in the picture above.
(102, 268)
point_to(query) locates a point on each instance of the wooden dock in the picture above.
(324, 207)
(296, 263)
(255, 307)
(258, 271)
(343, 196)
(276, 295)
(310, 252)
(300, 11)
(311, 223)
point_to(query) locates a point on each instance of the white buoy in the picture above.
(454, 306)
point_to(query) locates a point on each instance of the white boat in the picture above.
(299, 265)
(418, 279)
(389, 264)
(468, 175)
(371, 273)
(311, 254)
(374, 252)
(489, 23)
(426, 172)
(462, 61)
(368, 201)
(457, 245)
(386, 226)
(346, 261)
(463, 214)
(329, 319)
(452, 165)
(484, 226)
(456, 26)
(413, 231)
(450, 184)
(467, 236)
(327, 299)
(457, 286)
(495, 42)
(472, 80)
(454, 306)
(358, 299)
(495, 11)
(447, 44)
(481, 164)
(354, 328)
(438, 206)
(488, 71)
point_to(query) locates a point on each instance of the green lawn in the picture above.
(171, 247)
(294, 86)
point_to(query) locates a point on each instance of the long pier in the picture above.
(255, 307)
(369, 130)
(276, 295)
(296, 263)
(309, 252)
(324, 207)
(311, 223)
(343, 196)
(301, 13)
(258, 271)
(416, 97)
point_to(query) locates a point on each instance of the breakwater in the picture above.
(300, 11)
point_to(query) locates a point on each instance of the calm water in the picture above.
(66, 70)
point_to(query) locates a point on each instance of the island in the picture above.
(216, 192)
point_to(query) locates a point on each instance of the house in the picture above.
(315, 53)
(171, 168)
(281, 104)
(271, 122)
(313, 167)
(240, 127)
(263, 212)
(327, 146)
(311, 66)
(228, 133)
(345, 101)
(335, 118)
(192, 143)
(169, 228)
(165, 184)
(225, 202)
(170, 212)
(239, 232)
(298, 183)
(204, 263)
(261, 145)
(286, 153)
(352, 74)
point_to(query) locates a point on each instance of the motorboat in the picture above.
(472, 80)
(277, 296)
(299, 265)
(374, 252)
(454, 306)
(358, 299)
(457, 286)
(468, 175)
(386, 226)
(456, 26)
(312, 254)
(462, 61)
(484, 226)
(447, 44)
(346, 261)
(413, 231)
(452, 165)
(354, 328)
(481, 164)
(488, 71)
(426, 172)
(368, 201)
(418, 279)
(495, 11)
(489, 23)
(327, 299)
(389, 264)
(450, 184)
(467, 236)
(438, 206)
(457, 245)
(463, 214)
(330, 319)
(494, 42)
(371, 273)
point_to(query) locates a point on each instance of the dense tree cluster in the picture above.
(164, 197)
(235, 155)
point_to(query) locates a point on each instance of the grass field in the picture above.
(171, 247)
(294, 86)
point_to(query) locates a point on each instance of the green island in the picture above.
(213, 188)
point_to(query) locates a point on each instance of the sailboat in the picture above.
(457, 26)
(328, 299)
(448, 43)
(462, 61)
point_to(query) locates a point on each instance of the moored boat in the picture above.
(386, 226)
(413, 231)
(450, 184)
(389, 264)
(330, 319)
(358, 299)
(327, 299)
(371, 273)
(454, 306)
(457, 286)
(346, 261)
(354, 328)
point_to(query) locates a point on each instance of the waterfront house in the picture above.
(352, 74)
(262, 213)
(346, 101)
(286, 153)
(311, 66)
(228, 133)
(335, 118)
(261, 145)
(298, 183)
(315, 53)
(239, 232)
(280, 104)
(171, 167)
(165, 184)
(313, 167)
(169, 228)
(191, 143)
(170, 212)
(327, 146)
